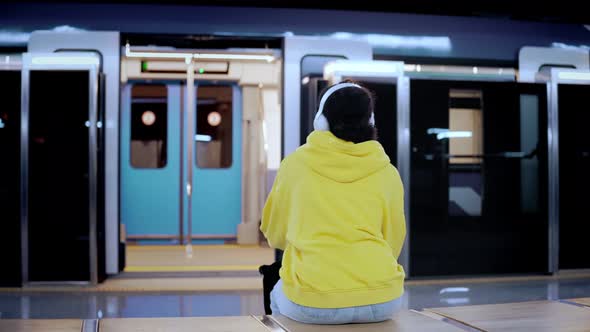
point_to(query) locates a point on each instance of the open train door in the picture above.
(61, 131)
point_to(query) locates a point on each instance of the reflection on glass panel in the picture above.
(58, 162)
(149, 125)
(214, 126)
(10, 115)
(385, 116)
(529, 165)
(478, 178)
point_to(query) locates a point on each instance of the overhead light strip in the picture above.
(363, 67)
(201, 56)
(67, 60)
(459, 70)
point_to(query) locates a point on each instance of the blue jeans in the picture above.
(280, 304)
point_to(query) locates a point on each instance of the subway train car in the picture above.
(117, 141)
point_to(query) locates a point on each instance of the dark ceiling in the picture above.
(563, 11)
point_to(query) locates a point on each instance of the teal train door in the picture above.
(154, 154)
(217, 180)
(150, 161)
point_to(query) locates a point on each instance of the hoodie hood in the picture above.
(340, 160)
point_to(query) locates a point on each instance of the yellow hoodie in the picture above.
(336, 209)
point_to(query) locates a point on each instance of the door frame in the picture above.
(108, 45)
(77, 61)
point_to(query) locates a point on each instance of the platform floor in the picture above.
(239, 296)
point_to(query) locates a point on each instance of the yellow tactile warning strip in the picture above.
(41, 325)
(176, 268)
(196, 246)
(213, 258)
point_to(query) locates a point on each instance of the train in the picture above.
(111, 138)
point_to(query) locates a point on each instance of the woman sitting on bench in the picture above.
(336, 209)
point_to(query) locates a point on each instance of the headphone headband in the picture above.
(320, 122)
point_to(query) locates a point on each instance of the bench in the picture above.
(583, 301)
(526, 316)
(182, 324)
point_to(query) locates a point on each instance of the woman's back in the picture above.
(344, 228)
(336, 209)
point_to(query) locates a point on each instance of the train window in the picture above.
(465, 127)
(149, 107)
(214, 127)
(465, 144)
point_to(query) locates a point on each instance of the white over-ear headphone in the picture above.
(320, 122)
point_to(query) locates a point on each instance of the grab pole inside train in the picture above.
(190, 108)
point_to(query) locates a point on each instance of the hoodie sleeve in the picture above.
(273, 226)
(394, 229)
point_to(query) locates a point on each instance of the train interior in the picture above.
(146, 160)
